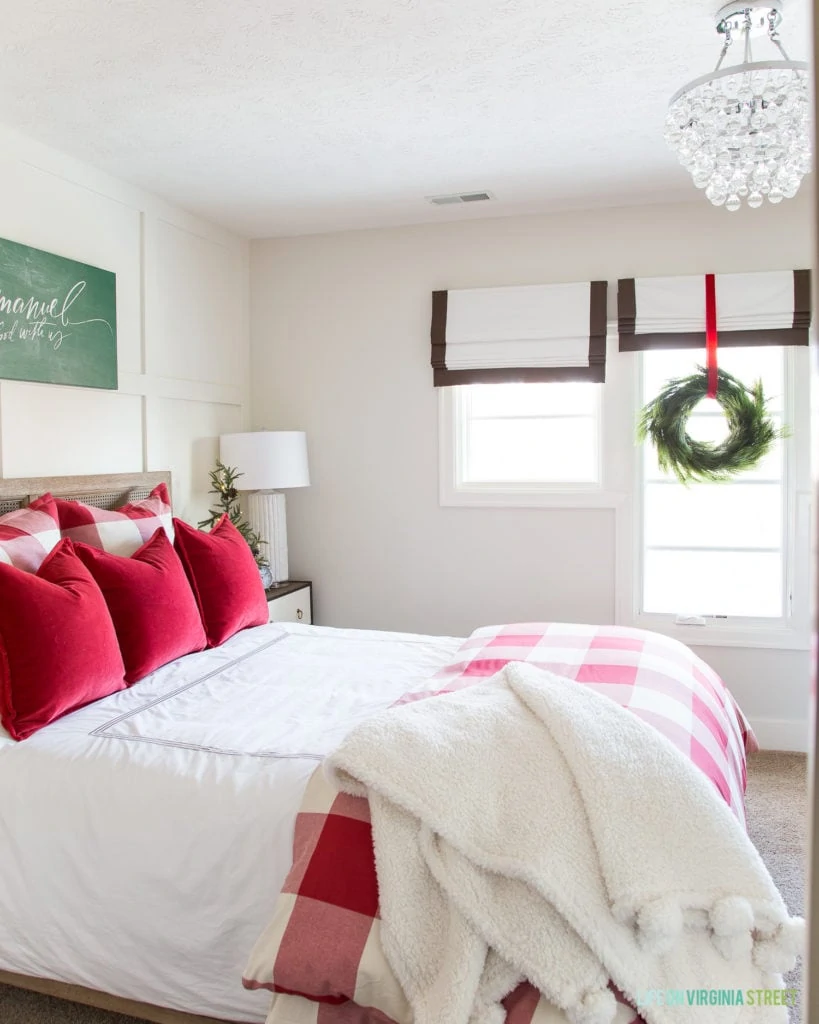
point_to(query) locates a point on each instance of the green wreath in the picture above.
(751, 431)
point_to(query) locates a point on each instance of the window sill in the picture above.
(771, 637)
(480, 497)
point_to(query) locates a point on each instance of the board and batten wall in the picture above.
(340, 348)
(182, 318)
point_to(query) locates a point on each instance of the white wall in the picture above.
(340, 348)
(182, 298)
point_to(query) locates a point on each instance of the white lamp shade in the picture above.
(267, 459)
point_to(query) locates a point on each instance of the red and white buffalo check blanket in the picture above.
(323, 944)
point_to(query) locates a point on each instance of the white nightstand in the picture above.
(291, 602)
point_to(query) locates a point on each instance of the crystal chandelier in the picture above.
(743, 131)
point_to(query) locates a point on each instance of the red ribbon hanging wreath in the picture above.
(711, 333)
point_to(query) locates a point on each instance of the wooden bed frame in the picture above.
(104, 491)
(102, 1001)
(108, 490)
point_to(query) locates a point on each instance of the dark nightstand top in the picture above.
(286, 588)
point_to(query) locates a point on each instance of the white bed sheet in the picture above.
(144, 839)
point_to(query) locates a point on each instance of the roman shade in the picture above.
(532, 333)
(771, 308)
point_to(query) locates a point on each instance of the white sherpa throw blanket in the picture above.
(530, 828)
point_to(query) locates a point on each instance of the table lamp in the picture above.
(268, 460)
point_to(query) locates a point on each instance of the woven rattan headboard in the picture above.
(104, 491)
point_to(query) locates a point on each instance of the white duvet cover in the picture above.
(137, 834)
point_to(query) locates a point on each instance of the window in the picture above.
(722, 554)
(517, 439)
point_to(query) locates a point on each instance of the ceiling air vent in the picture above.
(460, 197)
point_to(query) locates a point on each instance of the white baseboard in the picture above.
(781, 733)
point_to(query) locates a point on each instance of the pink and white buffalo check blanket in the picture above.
(321, 955)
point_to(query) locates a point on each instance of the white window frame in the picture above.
(792, 631)
(455, 491)
(620, 489)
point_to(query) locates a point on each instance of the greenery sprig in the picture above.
(223, 484)
(751, 432)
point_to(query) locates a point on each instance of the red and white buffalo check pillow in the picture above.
(121, 531)
(28, 534)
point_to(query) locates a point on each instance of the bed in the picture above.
(145, 838)
(135, 833)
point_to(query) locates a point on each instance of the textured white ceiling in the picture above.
(288, 116)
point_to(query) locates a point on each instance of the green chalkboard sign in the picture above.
(58, 319)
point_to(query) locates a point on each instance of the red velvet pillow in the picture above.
(224, 577)
(58, 648)
(151, 603)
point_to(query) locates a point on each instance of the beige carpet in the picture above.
(777, 822)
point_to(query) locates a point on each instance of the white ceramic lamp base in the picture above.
(266, 515)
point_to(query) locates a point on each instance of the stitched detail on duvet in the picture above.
(106, 731)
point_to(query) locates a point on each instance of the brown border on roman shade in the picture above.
(797, 334)
(595, 372)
